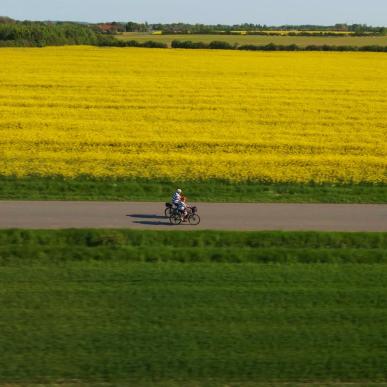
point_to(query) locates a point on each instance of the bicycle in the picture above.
(177, 217)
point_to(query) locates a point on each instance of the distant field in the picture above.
(198, 309)
(301, 41)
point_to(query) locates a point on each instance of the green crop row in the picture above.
(151, 308)
(198, 246)
(224, 323)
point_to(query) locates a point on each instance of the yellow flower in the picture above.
(196, 114)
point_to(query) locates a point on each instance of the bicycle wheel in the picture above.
(168, 212)
(175, 219)
(194, 219)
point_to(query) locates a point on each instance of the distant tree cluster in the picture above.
(215, 45)
(110, 28)
(137, 27)
(6, 19)
(26, 33)
(110, 41)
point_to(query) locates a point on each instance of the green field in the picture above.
(301, 41)
(89, 188)
(195, 309)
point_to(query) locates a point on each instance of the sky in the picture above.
(271, 12)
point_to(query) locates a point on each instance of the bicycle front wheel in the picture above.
(194, 219)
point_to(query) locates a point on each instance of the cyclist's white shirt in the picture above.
(182, 206)
(176, 198)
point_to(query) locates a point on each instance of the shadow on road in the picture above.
(155, 223)
(154, 220)
(146, 216)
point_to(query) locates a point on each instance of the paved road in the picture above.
(225, 216)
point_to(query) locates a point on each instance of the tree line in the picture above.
(41, 34)
(254, 29)
(221, 45)
(110, 41)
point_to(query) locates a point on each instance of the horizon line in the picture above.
(195, 23)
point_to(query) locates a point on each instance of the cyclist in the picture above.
(176, 197)
(182, 207)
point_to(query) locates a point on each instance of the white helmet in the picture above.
(179, 191)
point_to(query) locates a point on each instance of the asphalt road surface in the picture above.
(216, 216)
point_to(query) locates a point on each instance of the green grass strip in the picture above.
(149, 308)
(132, 323)
(88, 188)
(18, 246)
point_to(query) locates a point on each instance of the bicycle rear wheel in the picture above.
(175, 219)
(168, 212)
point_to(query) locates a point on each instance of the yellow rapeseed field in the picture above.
(111, 112)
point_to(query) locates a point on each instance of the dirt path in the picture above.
(216, 216)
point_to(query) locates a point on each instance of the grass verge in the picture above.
(58, 246)
(137, 307)
(88, 188)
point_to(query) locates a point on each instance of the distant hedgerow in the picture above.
(221, 45)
